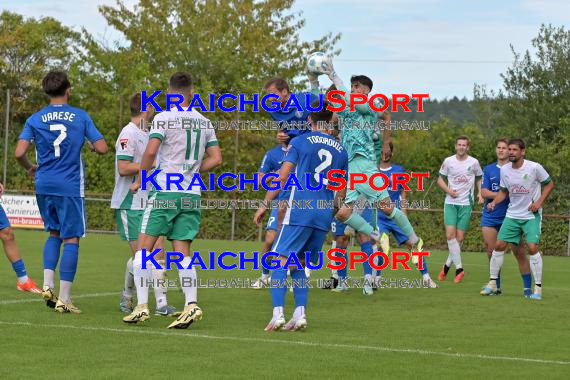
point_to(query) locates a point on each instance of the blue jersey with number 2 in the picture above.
(59, 131)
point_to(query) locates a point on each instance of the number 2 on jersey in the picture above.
(189, 143)
(323, 153)
(62, 135)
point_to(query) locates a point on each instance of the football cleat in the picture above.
(430, 284)
(260, 283)
(296, 324)
(28, 286)
(48, 294)
(333, 283)
(367, 290)
(276, 323)
(349, 231)
(140, 314)
(126, 304)
(535, 296)
(459, 277)
(385, 243)
(190, 314)
(490, 289)
(340, 288)
(442, 274)
(526, 293)
(167, 311)
(66, 307)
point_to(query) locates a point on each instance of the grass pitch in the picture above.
(448, 332)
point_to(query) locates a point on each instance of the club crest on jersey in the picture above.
(525, 176)
(124, 143)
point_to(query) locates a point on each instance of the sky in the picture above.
(440, 47)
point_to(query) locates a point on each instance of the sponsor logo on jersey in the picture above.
(461, 178)
(519, 189)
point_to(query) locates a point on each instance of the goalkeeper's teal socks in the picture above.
(402, 221)
(359, 224)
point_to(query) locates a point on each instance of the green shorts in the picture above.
(129, 223)
(457, 216)
(172, 214)
(512, 230)
(360, 164)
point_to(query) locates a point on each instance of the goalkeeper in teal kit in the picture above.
(360, 142)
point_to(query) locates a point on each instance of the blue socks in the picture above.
(301, 293)
(278, 293)
(68, 265)
(51, 252)
(19, 268)
(425, 270)
(527, 281)
(498, 281)
(366, 247)
(343, 271)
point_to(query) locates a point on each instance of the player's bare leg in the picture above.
(25, 283)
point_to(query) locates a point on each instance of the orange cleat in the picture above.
(28, 286)
(459, 277)
(441, 275)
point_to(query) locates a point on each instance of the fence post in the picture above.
(6, 130)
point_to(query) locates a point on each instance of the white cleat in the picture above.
(276, 323)
(430, 284)
(261, 283)
(349, 231)
(384, 244)
(296, 324)
(367, 290)
(341, 288)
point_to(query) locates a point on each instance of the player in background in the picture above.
(521, 180)
(271, 163)
(303, 230)
(58, 132)
(129, 208)
(181, 149)
(360, 143)
(463, 173)
(387, 226)
(491, 221)
(24, 283)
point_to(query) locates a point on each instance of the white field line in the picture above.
(39, 299)
(335, 346)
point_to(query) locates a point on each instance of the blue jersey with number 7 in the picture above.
(58, 132)
(314, 155)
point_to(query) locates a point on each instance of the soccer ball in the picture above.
(318, 63)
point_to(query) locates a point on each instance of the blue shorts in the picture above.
(63, 214)
(273, 221)
(337, 228)
(298, 240)
(4, 222)
(388, 226)
(492, 222)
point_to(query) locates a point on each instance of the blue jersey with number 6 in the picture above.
(314, 155)
(59, 131)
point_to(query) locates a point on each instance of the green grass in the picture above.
(397, 333)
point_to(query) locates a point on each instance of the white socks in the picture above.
(299, 312)
(536, 268)
(65, 291)
(49, 278)
(188, 282)
(496, 263)
(129, 279)
(277, 311)
(454, 256)
(141, 277)
(159, 290)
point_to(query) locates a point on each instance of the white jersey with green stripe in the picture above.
(130, 146)
(524, 187)
(185, 136)
(461, 176)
